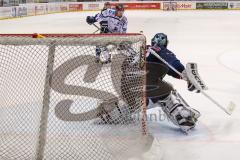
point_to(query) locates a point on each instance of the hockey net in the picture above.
(57, 103)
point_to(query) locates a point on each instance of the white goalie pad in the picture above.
(194, 77)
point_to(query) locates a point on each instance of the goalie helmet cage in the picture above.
(57, 103)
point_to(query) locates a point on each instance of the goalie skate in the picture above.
(179, 112)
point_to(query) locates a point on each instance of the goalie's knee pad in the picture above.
(179, 112)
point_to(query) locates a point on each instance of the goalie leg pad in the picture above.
(179, 112)
(113, 112)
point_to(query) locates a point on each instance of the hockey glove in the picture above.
(190, 86)
(90, 20)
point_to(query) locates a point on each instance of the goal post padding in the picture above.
(57, 103)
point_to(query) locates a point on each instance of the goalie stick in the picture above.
(229, 109)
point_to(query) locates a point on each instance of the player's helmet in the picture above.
(107, 5)
(160, 39)
(119, 7)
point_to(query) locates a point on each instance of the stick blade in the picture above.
(231, 107)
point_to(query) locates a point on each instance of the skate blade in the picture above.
(186, 129)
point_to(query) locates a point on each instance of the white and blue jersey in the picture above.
(114, 23)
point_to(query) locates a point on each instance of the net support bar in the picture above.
(46, 102)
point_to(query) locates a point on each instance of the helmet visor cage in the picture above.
(161, 40)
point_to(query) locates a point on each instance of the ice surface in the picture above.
(210, 38)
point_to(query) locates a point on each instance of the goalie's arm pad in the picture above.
(178, 66)
(170, 58)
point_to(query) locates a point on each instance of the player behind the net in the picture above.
(111, 21)
(171, 102)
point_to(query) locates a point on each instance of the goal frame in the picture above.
(4, 39)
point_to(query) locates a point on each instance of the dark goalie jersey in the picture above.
(168, 56)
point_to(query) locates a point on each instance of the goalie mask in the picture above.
(160, 39)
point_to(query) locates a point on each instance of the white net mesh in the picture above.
(57, 103)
